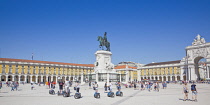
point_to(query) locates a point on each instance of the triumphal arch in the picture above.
(190, 63)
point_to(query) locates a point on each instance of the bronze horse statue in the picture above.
(104, 42)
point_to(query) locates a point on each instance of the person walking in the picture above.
(194, 92)
(49, 84)
(89, 84)
(105, 87)
(0, 84)
(110, 86)
(12, 86)
(156, 87)
(185, 91)
(60, 86)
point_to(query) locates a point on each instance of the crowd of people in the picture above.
(141, 85)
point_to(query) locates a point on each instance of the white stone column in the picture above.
(96, 77)
(82, 81)
(192, 75)
(36, 79)
(207, 70)
(107, 78)
(41, 78)
(127, 77)
(181, 73)
(171, 79)
(6, 79)
(19, 78)
(162, 78)
(30, 78)
(175, 78)
(120, 78)
(88, 76)
(138, 76)
(0, 77)
(13, 78)
(73, 78)
(51, 78)
(25, 78)
(166, 78)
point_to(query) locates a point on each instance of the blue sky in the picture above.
(141, 31)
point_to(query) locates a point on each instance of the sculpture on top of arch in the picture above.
(198, 40)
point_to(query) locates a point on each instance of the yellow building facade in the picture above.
(127, 73)
(42, 71)
(162, 71)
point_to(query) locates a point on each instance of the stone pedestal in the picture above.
(104, 69)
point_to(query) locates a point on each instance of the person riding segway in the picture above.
(77, 94)
(110, 93)
(119, 92)
(96, 94)
(67, 90)
(60, 92)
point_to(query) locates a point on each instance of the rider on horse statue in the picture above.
(104, 42)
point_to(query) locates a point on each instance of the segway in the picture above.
(110, 94)
(97, 95)
(77, 94)
(119, 93)
(52, 92)
(66, 94)
(60, 93)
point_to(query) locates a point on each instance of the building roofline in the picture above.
(163, 63)
(45, 62)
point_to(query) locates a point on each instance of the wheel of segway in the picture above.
(64, 95)
(49, 92)
(121, 94)
(68, 95)
(98, 96)
(75, 96)
(112, 95)
(53, 92)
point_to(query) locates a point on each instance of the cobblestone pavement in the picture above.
(40, 96)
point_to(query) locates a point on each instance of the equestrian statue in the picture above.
(104, 42)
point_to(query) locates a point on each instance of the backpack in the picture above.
(193, 88)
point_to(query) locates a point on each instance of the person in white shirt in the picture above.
(67, 85)
(110, 86)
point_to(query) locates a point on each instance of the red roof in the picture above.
(124, 66)
(46, 62)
